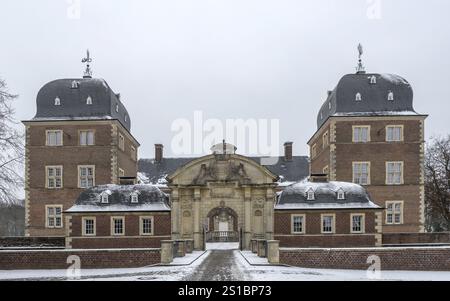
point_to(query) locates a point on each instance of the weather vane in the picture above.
(360, 68)
(87, 60)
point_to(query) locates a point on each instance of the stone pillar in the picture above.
(254, 246)
(269, 213)
(261, 247)
(166, 251)
(198, 240)
(189, 245)
(247, 218)
(175, 214)
(181, 250)
(273, 251)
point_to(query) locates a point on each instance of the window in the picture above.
(394, 173)
(104, 197)
(394, 212)
(53, 216)
(54, 138)
(298, 224)
(358, 97)
(325, 170)
(89, 100)
(340, 194)
(391, 96)
(329, 105)
(134, 197)
(126, 118)
(117, 108)
(327, 223)
(314, 151)
(133, 153)
(87, 137)
(357, 223)
(57, 101)
(54, 177)
(361, 134)
(117, 225)
(75, 84)
(88, 226)
(325, 139)
(86, 176)
(121, 142)
(310, 194)
(373, 79)
(361, 173)
(146, 225)
(394, 133)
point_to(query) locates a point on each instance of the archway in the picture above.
(222, 225)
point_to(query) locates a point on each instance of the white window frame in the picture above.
(325, 139)
(313, 150)
(388, 127)
(340, 194)
(79, 175)
(293, 216)
(133, 153)
(86, 140)
(47, 177)
(83, 225)
(104, 197)
(373, 79)
(121, 142)
(354, 175)
(89, 100)
(57, 101)
(391, 96)
(333, 223)
(358, 97)
(113, 218)
(141, 225)
(363, 223)
(53, 216)
(388, 173)
(47, 140)
(394, 212)
(360, 136)
(134, 198)
(310, 194)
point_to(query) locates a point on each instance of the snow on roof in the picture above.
(322, 206)
(119, 208)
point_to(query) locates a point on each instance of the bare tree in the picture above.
(11, 149)
(437, 184)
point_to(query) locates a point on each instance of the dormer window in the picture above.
(75, 84)
(373, 79)
(117, 108)
(321, 115)
(329, 105)
(57, 101)
(89, 100)
(126, 118)
(391, 96)
(104, 197)
(340, 194)
(310, 194)
(134, 197)
(358, 97)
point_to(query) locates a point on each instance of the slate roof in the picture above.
(74, 101)
(325, 196)
(150, 198)
(289, 171)
(374, 97)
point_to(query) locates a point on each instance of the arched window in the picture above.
(104, 197)
(341, 194)
(329, 105)
(310, 194)
(117, 108)
(358, 97)
(57, 101)
(134, 197)
(373, 79)
(75, 84)
(126, 118)
(391, 96)
(89, 100)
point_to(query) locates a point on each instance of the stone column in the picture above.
(269, 213)
(261, 247)
(273, 251)
(198, 243)
(166, 251)
(247, 218)
(175, 214)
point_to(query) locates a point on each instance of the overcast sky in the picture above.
(228, 58)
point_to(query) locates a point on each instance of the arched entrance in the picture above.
(222, 225)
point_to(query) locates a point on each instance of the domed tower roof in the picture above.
(80, 99)
(368, 94)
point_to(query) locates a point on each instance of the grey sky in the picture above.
(228, 58)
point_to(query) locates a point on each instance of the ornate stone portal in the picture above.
(222, 192)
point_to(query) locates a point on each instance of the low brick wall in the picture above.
(416, 238)
(90, 259)
(31, 242)
(116, 242)
(326, 241)
(410, 259)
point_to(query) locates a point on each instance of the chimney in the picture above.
(158, 153)
(288, 151)
(318, 178)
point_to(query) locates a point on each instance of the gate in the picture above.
(222, 236)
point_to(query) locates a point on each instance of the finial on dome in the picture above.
(87, 60)
(360, 68)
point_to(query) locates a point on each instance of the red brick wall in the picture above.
(117, 242)
(93, 259)
(326, 241)
(416, 238)
(414, 259)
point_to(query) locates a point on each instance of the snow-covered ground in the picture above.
(249, 266)
(222, 246)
